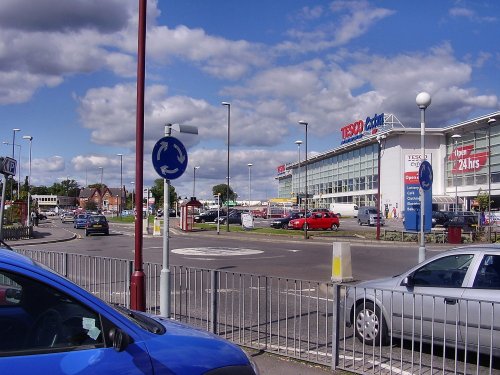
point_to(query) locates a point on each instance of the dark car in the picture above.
(206, 217)
(441, 217)
(283, 222)
(234, 218)
(468, 221)
(96, 224)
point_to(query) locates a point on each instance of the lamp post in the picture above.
(423, 101)
(30, 138)
(249, 183)
(13, 157)
(132, 183)
(298, 143)
(455, 138)
(302, 122)
(14, 140)
(194, 180)
(102, 172)
(121, 185)
(228, 105)
(491, 122)
(380, 139)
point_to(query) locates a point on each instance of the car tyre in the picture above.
(360, 223)
(86, 233)
(335, 227)
(284, 226)
(202, 221)
(369, 324)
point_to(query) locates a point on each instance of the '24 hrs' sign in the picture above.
(465, 161)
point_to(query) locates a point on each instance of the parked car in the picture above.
(468, 221)
(282, 223)
(440, 217)
(316, 220)
(52, 326)
(434, 301)
(368, 215)
(234, 217)
(96, 224)
(80, 221)
(206, 217)
(67, 217)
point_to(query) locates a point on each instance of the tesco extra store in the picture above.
(465, 158)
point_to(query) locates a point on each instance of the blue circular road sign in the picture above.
(170, 158)
(425, 175)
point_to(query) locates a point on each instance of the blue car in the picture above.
(80, 221)
(49, 325)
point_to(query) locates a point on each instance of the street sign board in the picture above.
(8, 166)
(425, 175)
(170, 158)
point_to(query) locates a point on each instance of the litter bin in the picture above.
(454, 234)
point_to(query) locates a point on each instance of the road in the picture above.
(263, 255)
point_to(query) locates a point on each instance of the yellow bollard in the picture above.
(341, 262)
(156, 228)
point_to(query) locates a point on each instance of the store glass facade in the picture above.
(348, 177)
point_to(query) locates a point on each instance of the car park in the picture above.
(282, 223)
(206, 217)
(96, 224)
(316, 220)
(80, 221)
(52, 326)
(453, 297)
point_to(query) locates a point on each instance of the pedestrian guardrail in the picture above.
(17, 233)
(309, 320)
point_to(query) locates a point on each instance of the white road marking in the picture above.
(216, 251)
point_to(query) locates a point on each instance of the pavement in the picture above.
(268, 363)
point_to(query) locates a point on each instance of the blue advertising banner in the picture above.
(412, 196)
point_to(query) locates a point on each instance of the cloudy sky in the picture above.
(68, 78)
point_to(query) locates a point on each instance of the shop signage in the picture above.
(412, 194)
(464, 160)
(357, 129)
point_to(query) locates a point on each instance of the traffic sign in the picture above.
(8, 166)
(170, 158)
(425, 175)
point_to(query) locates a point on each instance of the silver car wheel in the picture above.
(367, 324)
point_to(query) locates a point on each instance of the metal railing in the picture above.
(306, 320)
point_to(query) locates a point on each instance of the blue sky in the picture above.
(68, 75)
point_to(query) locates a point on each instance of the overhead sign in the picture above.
(357, 129)
(8, 166)
(425, 175)
(170, 158)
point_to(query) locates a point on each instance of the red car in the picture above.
(316, 220)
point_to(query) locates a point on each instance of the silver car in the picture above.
(452, 299)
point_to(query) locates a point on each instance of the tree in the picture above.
(222, 190)
(483, 200)
(157, 192)
(90, 206)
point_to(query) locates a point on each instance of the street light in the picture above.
(491, 122)
(423, 101)
(298, 143)
(194, 180)
(30, 138)
(228, 105)
(121, 184)
(249, 183)
(302, 122)
(14, 140)
(455, 138)
(100, 188)
(132, 183)
(380, 139)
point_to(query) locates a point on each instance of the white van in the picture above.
(344, 209)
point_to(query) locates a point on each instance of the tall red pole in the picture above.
(137, 295)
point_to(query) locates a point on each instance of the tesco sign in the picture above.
(357, 129)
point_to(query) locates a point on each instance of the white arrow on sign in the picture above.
(165, 170)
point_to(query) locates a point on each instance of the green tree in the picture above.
(483, 199)
(40, 190)
(91, 206)
(222, 190)
(157, 192)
